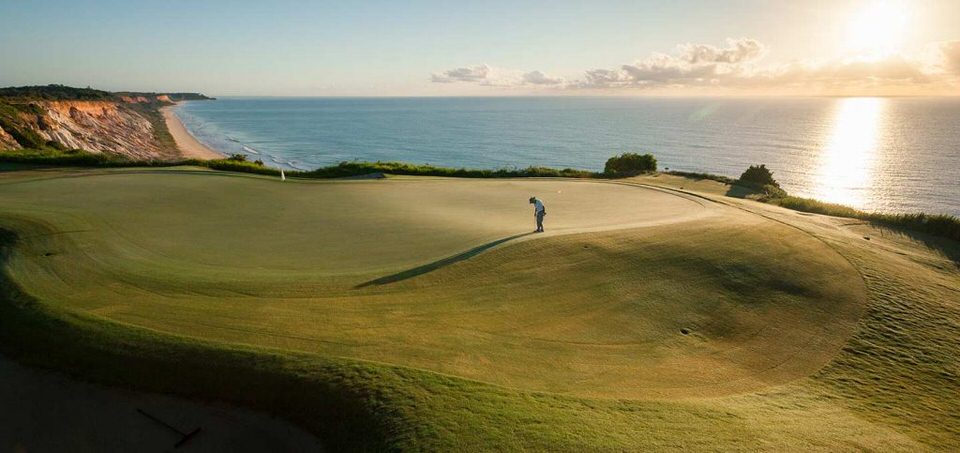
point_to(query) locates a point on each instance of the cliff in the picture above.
(61, 118)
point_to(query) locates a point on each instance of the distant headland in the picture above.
(59, 118)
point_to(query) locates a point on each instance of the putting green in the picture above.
(634, 292)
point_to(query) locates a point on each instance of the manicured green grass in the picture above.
(248, 289)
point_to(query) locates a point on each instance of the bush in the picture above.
(771, 192)
(630, 164)
(238, 157)
(757, 176)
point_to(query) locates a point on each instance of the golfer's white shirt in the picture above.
(537, 206)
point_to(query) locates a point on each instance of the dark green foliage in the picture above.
(240, 166)
(709, 176)
(630, 164)
(54, 93)
(355, 168)
(757, 176)
(69, 158)
(189, 97)
(238, 157)
(771, 192)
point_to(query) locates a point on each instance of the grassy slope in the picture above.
(843, 405)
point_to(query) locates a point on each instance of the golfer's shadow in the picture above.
(430, 267)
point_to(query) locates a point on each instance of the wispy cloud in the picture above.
(476, 74)
(736, 65)
(486, 75)
(950, 56)
(539, 78)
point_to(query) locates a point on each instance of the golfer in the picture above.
(538, 211)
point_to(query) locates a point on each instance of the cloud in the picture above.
(737, 51)
(736, 65)
(486, 75)
(539, 78)
(693, 64)
(950, 56)
(476, 73)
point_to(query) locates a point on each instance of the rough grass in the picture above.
(890, 388)
(940, 225)
(943, 225)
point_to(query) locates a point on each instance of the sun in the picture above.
(877, 29)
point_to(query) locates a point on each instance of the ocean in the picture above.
(882, 154)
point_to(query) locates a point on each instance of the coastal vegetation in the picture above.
(357, 168)
(757, 176)
(629, 164)
(937, 224)
(55, 92)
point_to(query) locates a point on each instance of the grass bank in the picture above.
(940, 225)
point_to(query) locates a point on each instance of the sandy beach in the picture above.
(189, 146)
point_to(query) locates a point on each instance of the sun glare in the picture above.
(877, 29)
(846, 163)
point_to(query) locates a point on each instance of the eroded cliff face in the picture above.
(97, 126)
(7, 141)
(122, 126)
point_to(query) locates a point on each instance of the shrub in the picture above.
(239, 165)
(630, 164)
(757, 176)
(771, 192)
(238, 157)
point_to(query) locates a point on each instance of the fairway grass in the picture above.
(417, 313)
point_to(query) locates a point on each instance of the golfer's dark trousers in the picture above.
(540, 221)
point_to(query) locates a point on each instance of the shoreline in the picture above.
(187, 144)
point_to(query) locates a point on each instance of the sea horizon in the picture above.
(842, 150)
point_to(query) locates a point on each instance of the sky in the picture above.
(492, 47)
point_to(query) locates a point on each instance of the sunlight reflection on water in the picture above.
(846, 165)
